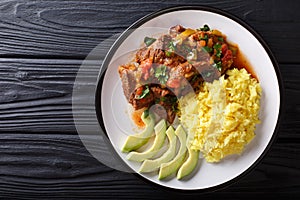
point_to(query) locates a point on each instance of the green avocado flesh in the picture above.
(169, 168)
(134, 142)
(160, 136)
(189, 165)
(152, 165)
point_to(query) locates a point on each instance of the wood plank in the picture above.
(65, 29)
(58, 166)
(36, 96)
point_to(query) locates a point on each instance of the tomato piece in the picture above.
(146, 65)
(139, 91)
(227, 56)
(173, 83)
(224, 48)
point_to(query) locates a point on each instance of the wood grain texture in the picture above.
(42, 45)
(70, 29)
(59, 166)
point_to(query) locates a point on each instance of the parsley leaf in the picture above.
(146, 113)
(207, 49)
(205, 28)
(204, 38)
(221, 39)
(218, 65)
(168, 53)
(161, 75)
(144, 93)
(148, 41)
(171, 46)
(218, 48)
(207, 74)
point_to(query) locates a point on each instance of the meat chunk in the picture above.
(139, 102)
(128, 81)
(207, 72)
(142, 54)
(166, 100)
(160, 92)
(161, 43)
(175, 30)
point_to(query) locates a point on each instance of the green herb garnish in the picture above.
(145, 92)
(175, 108)
(218, 65)
(207, 74)
(163, 99)
(204, 38)
(221, 39)
(171, 46)
(205, 28)
(168, 53)
(161, 75)
(207, 49)
(146, 113)
(218, 48)
(148, 41)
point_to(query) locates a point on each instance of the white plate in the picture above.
(115, 108)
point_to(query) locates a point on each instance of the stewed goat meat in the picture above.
(173, 65)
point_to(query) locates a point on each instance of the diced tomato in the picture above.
(227, 56)
(146, 65)
(173, 83)
(224, 48)
(139, 91)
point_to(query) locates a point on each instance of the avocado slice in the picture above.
(167, 169)
(160, 132)
(152, 165)
(134, 142)
(189, 165)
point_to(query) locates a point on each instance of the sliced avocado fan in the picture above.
(169, 168)
(152, 165)
(160, 136)
(134, 142)
(189, 165)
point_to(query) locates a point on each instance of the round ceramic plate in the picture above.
(114, 107)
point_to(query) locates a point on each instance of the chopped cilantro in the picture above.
(163, 99)
(218, 48)
(157, 100)
(221, 39)
(148, 41)
(145, 92)
(205, 28)
(207, 74)
(168, 53)
(218, 65)
(161, 75)
(203, 38)
(146, 113)
(171, 46)
(207, 49)
(175, 108)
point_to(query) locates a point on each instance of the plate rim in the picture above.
(260, 39)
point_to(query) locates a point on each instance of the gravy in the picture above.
(240, 61)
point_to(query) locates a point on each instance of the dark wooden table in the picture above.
(42, 45)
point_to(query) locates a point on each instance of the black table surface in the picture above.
(42, 45)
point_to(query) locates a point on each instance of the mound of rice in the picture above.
(221, 119)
